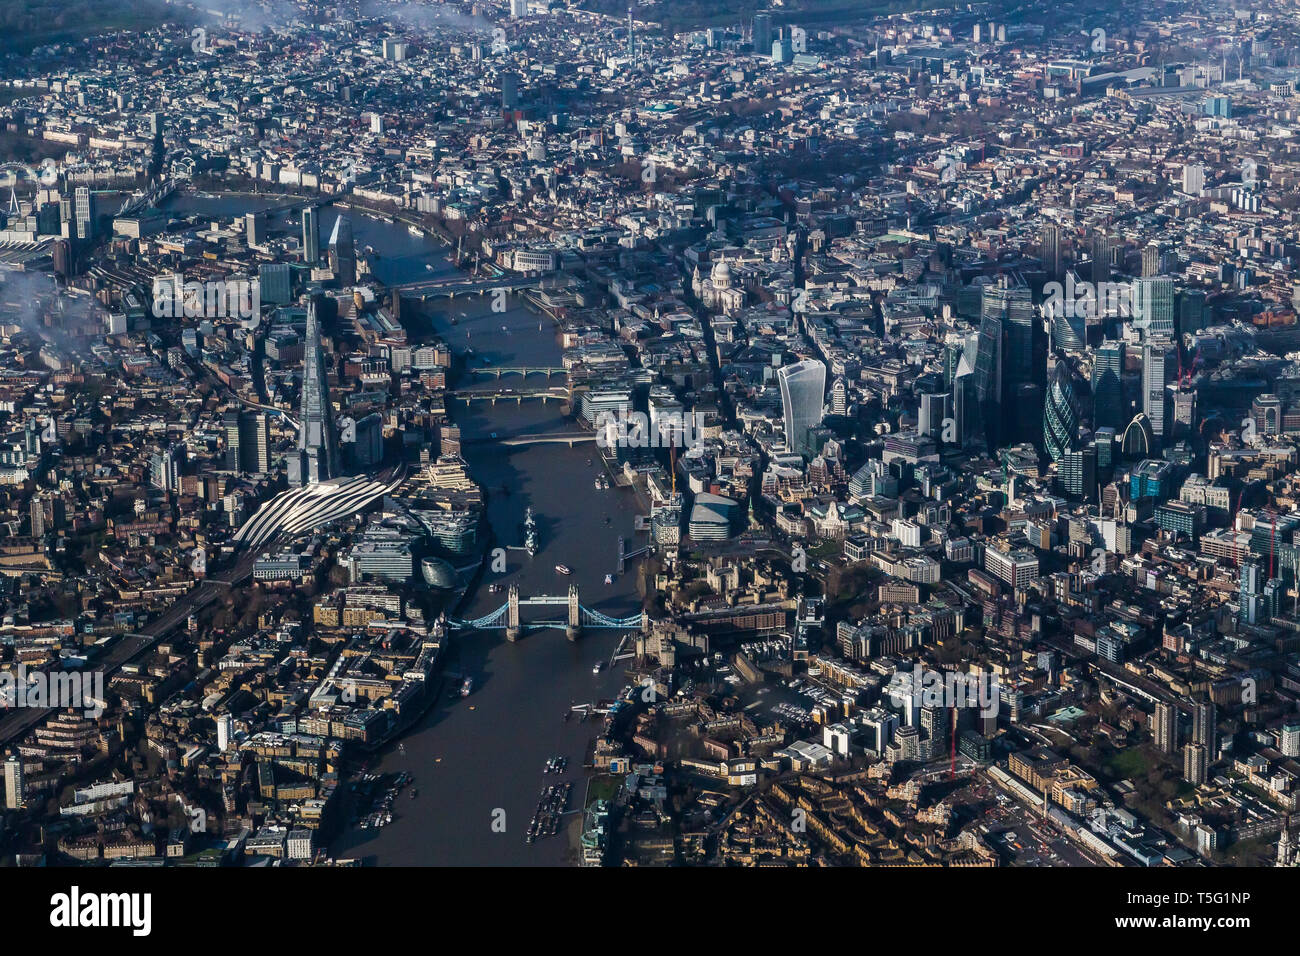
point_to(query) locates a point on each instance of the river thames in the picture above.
(472, 757)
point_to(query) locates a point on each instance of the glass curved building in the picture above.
(1061, 411)
(1108, 405)
(1069, 328)
(803, 386)
(1138, 439)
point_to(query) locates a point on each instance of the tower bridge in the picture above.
(507, 616)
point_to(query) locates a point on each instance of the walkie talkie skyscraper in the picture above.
(803, 388)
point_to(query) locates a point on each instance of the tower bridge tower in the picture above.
(512, 614)
(575, 615)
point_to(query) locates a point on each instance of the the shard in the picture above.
(317, 458)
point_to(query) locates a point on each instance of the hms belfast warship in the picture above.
(530, 532)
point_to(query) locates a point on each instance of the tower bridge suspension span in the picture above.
(507, 616)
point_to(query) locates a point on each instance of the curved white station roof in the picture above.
(300, 509)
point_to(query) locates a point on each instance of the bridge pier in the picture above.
(574, 630)
(512, 614)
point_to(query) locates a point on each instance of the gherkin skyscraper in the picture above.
(1061, 411)
(317, 458)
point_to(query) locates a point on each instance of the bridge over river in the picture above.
(450, 288)
(534, 438)
(507, 617)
